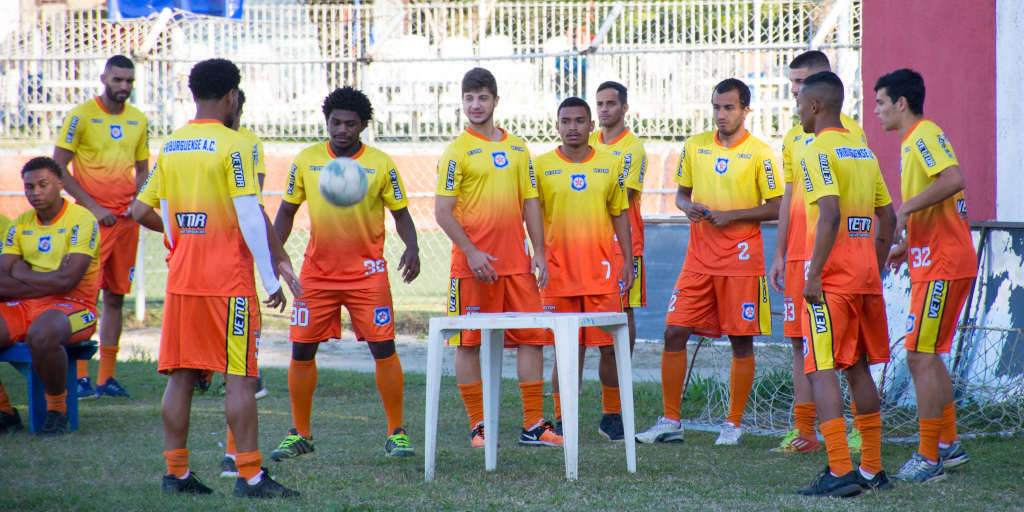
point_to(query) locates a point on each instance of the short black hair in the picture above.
(733, 84)
(479, 78)
(573, 101)
(42, 162)
(619, 88)
(119, 61)
(905, 83)
(828, 87)
(348, 98)
(241, 99)
(212, 79)
(812, 59)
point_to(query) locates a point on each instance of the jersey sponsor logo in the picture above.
(808, 140)
(131, 274)
(449, 181)
(10, 236)
(797, 138)
(393, 174)
(548, 307)
(193, 223)
(854, 153)
(748, 311)
(935, 301)
(820, 318)
(474, 151)
(95, 234)
(552, 172)
(453, 296)
(533, 174)
(627, 162)
(911, 320)
(604, 171)
(643, 169)
(382, 315)
(518, 148)
(96, 121)
(316, 168)
(808, 186)
(826, 171)
(721, 165)
(116, 132)
(238, 170)
(132, 123)
(745, 156)
(578, 182)
(769, 172)
(703, 151)
(944, 143)
(255, 155)
(291, 178)
(74, 234)
(190, 145)
(500, 159)
(72, 126)
(239, 315)
(961, 208)
(806, 349)
(929, 160)
(44, 243)
(858, 226)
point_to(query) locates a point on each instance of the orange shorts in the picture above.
(118, 245)
(513, 293)
(19, 315)
(637, 295)
(793, 300)
(717, 305)
(316, 316)
(589, 336)
(843, 329)
(935, 310)
(210, 333)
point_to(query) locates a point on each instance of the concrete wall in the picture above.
(1010, 103)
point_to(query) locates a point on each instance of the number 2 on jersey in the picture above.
(744, 251)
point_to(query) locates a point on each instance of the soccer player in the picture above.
(358, 281)
(727, 185)
(486, 189)
(49, 276)
(209, 205)
(584, 205)
(786, 275)
(104, 140)
(617, 138)
(845, 327)
(937, 245)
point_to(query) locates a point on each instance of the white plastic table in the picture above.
(492, 329)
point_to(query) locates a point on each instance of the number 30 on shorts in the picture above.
(300, 316)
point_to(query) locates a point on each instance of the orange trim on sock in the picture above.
(870, 427)
(834, 431)
(473, 399)
(57, 402)
(853, 408)
(249, 464)
(741, 380)
(229, 444)
(610, 401)
(108, 358)
(5, 401)
(929, 443)
(82, 368)
(557, 400)
(177, 462)
(533, 403)
(391, 386)
(302, 378)
(673, 371)
(948, 433)
(803, 419)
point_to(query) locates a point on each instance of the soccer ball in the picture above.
(343, 182)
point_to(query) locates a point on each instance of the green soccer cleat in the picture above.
(398, 444)
(293, 446)
(854, 441)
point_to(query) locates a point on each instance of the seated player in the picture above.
(584, 205)
(10, 420)
(344, 265)
(845, 326)
(49, 274)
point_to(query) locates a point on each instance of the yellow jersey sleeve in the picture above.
(932, 149)
(393, 194)
(71, 130)
(634, 165)
(684, 171)
(788, 162)
(767, 174)
(528, 177)
(449, 171)
(819, 181)
(12, 240)
(148, 194)
(618, 198)
(240, 175)
(881, 197)
(142, 148)
(85, 233)
(295, 190)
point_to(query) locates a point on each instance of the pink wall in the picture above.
(952, 44)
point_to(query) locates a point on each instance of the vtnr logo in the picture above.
(191, 222)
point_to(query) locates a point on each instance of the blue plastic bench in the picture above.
(20, 357)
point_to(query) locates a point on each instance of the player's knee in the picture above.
(112, 300)
(676, 336)
(381, 349)
(607, 352)
(51, 328)
(5, 333)
(304, 351)
(743, 346)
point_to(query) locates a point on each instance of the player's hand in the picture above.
(480, 263)
(277, 301)
(410, 264)
(719, 218)
(777, 275)
(128, 211)
(897, 255)
(539, 264)
(696, 212)
(287, 274)
(627, 279)
(812, 290)
(105, 216)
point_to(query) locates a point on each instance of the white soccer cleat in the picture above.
(730, 435)
(664, 431)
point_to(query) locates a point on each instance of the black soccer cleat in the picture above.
(824, 484)
(265, 488)
(55, 424)
(188, 485)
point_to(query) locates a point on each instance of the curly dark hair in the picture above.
(348, 98)
(42, 162)
(211, 79)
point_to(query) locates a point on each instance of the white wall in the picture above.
(1009, 108)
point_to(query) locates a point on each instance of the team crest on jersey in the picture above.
(806, 349)
(382, 315)
(721, 165)
(578, 182)
(44, 244)
(116, 132)
(500, 159)
(748, 311)
(911, 320)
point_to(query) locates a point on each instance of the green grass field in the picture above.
(114, 461)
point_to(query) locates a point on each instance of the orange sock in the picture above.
(57, 402)
(803, 419)
(473, 399)
(5, 401)
(302, 378)
(610, 401)
(108, 358)
(229, 444)
(929, 443)
(248, 464)
(870, 427)
(533, 402)
(83, 368)
(948, 433)
(673, 371)
(741, 379)
(834, 431)
(177, 462)
(391, 386)
(558, 405)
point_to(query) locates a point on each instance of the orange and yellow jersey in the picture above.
(578, 200)
(43, 247)
(839, 163)
(628, 147)
(106, 147)
(257, 150)
(201, 167)
(737, 177)
(5, 224)
(792, 152)
(346, 245)
(939, 244)
(490, 180)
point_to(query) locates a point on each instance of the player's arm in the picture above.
(281, 260)
(55, 282)
(410, 262)
(776, 275)
(769, 210)
(534, 218)
(884, 233)
(620, 224)
(63, 158)
(284, 220)
(694, 211)
(145, 214)
(824, 239)
(947, 182)
(479, 261)
(11, 288)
